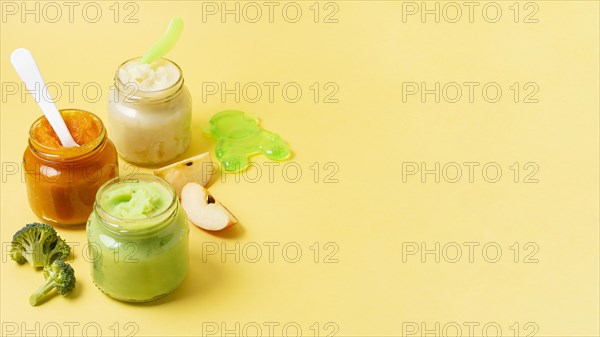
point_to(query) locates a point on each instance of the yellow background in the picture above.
(368, 134)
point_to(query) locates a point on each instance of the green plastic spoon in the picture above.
(166, 43)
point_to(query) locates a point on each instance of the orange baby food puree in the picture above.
(83, 127)
(62, 181)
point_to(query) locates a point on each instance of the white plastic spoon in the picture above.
(29, 72)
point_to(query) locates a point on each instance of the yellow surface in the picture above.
(367, 213)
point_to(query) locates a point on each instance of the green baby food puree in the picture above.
(135, 200)
(138, 239)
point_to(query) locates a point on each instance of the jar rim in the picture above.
(149, 95)
(155, 222)
(67, 153)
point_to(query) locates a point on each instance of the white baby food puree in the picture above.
(159, 75)
(150, 112)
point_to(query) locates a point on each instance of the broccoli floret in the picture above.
(58, 275)
(38, 244)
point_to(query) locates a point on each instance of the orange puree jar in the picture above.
(62, 182)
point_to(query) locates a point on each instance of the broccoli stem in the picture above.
(35, 252)
(28, 255)
(41, 292)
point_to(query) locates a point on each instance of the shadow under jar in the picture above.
(138, 239)
(62, 182)
(150, 123)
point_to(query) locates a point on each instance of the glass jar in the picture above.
(153, 126)
(62, 182)
(137, 258)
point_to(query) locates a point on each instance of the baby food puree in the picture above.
(138, 239)
(157, 76)
(84, 128)
(62, 182)
(135, 201)
(150, 112)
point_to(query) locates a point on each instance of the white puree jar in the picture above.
(150, 112)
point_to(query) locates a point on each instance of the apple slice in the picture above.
(196, 169)
(209, 216)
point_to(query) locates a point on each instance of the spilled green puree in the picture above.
(138, 240)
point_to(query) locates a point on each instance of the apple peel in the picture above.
(211, 216)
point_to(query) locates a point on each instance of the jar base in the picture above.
(134, 300)
(149, 163)
(55, 223)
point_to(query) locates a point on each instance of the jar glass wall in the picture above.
(62, 182)
(138, 239)
(148, 125)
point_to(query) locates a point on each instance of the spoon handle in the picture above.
(166, 43)
(29, 72)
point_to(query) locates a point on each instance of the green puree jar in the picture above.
(137, 239)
